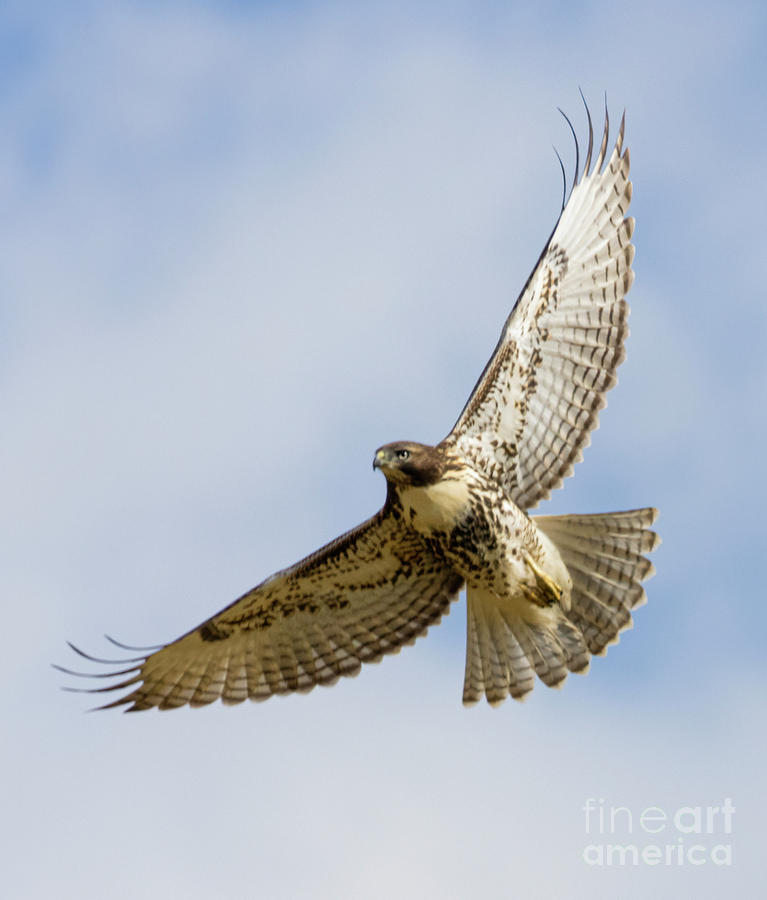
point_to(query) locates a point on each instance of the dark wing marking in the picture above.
(530, 414)
(367, 593)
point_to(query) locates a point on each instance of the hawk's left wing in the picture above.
(531, 412)
(367, 593)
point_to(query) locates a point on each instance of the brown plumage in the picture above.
(543, 594)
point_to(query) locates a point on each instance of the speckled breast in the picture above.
(475, 528)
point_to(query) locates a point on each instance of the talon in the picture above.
(548, 591)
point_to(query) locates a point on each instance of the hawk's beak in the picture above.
(379, 459)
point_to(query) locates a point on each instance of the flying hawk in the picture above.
(543, 593)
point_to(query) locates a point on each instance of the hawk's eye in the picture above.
(403, 454)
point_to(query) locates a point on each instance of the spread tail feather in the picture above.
(604, 556)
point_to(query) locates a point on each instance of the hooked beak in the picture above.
(379, 460)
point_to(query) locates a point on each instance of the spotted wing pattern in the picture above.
(367, 593)
(530, 414)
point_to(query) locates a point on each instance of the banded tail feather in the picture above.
(604, 554)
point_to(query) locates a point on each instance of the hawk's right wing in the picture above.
(535, 404)
(367, 593)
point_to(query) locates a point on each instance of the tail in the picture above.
(506, 643)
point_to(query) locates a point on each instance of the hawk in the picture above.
(544, 593)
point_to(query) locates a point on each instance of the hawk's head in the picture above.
(407, 464)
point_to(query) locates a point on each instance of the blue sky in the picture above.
(244, 245)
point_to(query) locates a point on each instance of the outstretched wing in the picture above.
(367, 593)
(533, 407)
